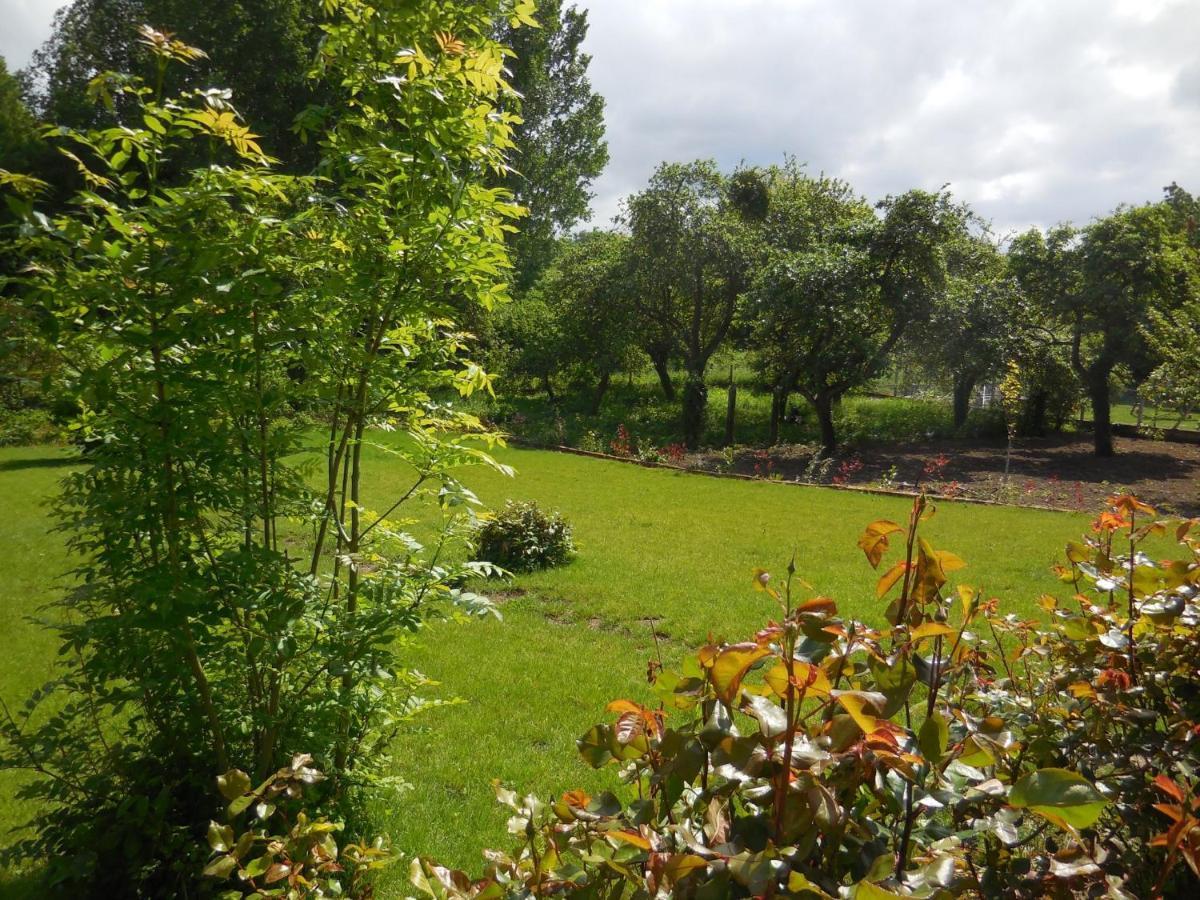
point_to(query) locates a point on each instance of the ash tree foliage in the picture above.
(227, 616)
(690, 255)
(560, 135)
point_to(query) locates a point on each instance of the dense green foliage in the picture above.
(194, 314)
(1102, 284)
(689, 263)
(258, 50)
(577, 321)
(560, 136)
(521, 537)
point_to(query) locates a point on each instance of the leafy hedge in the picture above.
(959, 751)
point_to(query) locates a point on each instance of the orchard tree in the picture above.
(1103, 283)
(800, 214)
(560, 138)
(1174, 336)
(979, 322)
(830, 314)
(528, 342)
(689, 262)
(587, 286)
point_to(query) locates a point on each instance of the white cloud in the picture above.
(26, 23)
(1034, 112)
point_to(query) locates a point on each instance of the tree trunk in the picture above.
(964, 386)
(695, 409)
(776, 416)
(824, 405)
(601, 390)
(730, 410)
(660, 361)
(1101, 415)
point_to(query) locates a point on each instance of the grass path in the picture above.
(657, 544)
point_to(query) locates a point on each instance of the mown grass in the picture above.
(655, 546)
(1153, 417)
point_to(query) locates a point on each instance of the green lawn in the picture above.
(653, 543)
(1123, 414)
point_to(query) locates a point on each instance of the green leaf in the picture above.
(233, 784)
(1065, 798)
(933, 737)
(221, 867)
(220, 837)
(594, 746)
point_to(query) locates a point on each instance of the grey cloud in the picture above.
(1033, 112)
(24, 25)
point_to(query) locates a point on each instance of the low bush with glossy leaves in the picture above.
(522, 538)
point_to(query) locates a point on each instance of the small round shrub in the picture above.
(522, 538)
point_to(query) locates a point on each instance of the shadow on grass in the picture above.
(22, 885)
(39, 462)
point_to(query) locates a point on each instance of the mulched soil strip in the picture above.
(854, 488)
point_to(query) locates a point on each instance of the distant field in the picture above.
(653, 545)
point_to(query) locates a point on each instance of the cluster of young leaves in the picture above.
(269, 847)
(956, 752)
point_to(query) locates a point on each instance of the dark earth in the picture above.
(1060, 471)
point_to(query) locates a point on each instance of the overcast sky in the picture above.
(1035, 111)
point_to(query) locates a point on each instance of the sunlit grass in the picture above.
(655, 545)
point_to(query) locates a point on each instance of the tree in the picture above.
(799, 214)
(261, 50)
(1174, 334)
(22, 358)
(19, 140)
(829, 314)
(978, 322)
(199, 639)
(528, 341)
(689, 266)
(561, 136)
(587, 286)
(1102, 282)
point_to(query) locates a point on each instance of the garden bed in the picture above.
(1059, 472)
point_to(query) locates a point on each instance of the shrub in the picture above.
(956, 752)
(522, 538)
(270, 846)
(26, 426)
